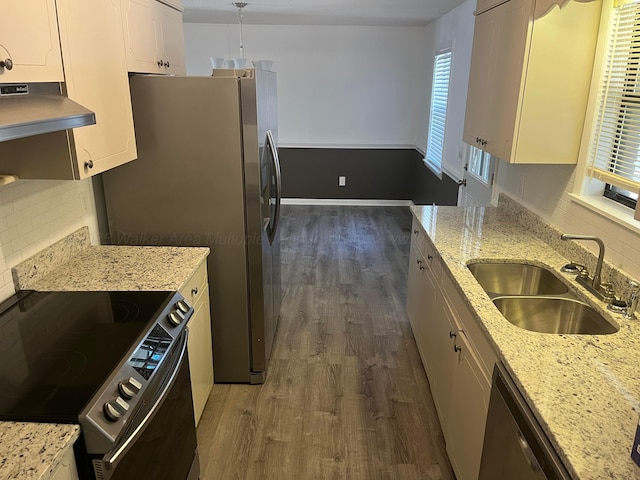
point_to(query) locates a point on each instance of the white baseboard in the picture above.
(347, 202)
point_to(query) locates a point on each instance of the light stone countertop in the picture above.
(34, 450)
(584, 390)
(122, 268)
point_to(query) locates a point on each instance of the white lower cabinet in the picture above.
(67, 469)
(199, 347)
(456, 355)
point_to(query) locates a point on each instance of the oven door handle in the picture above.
(112, 458)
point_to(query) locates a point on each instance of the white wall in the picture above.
(337, 85)
(453, 30)
(35, 214)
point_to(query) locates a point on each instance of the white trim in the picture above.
(346, 146)
(609, 209)
(431, 167)
(420, 150)
(347, 202)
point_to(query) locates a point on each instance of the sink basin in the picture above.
(517, 279)
(553, 315)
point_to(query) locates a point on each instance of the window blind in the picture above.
(438, 112)
(615, 150)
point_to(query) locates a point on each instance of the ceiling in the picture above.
(320, 12)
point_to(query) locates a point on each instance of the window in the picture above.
(438, 113)
(479, 164)
(615, 151)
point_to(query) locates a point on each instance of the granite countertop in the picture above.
(584, 390)
(34, 450)
(120, 268)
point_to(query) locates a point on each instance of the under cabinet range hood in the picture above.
(28, 109)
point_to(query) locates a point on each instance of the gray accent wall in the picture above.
(371, 174)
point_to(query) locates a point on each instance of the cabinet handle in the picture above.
(420, 265)
(88, 164)
(160, 63)
(429, 257)
(452, 334)
(416, 232)
(194, 291)
(477, 140)
(456, 348)
(166, 64)
(484, 143)
(6, 63)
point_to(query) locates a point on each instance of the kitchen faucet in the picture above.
(594, 285)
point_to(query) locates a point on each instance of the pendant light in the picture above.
(240, 6)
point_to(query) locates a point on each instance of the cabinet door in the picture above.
(96, 77)
(500, 40)
(29, 37)
(67, 468)
(440, 356)
(172, 39)
(464, 431)
(479, 79)
(200, 353)
(512, 32)
(414, 285)
(142, 35)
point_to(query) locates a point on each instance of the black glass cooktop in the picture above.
(57, 348)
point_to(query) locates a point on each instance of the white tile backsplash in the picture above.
(547, 195)
(35, 214)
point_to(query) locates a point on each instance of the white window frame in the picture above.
(440, 89)
(589, 191)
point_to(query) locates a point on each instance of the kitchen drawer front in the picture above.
(432, 258)
(475, 335)
(418, 236)
(192, 290)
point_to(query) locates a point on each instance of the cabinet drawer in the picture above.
(418, 236)
(192, 290)
(432, 258)
(467, 323)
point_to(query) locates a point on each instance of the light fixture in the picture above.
(240, 6)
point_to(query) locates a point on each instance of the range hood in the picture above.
(28, 109)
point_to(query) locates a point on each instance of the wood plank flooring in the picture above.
(346, 396)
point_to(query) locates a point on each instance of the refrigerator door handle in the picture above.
(278, 178)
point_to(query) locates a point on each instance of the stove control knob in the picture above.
(115, 409)
(183, 306)
(175, 317)
(129, 388)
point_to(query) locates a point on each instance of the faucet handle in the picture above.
(633, 295)
(608, 292)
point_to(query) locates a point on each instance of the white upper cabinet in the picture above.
(529, 80)
(96, 77)
(29, 39)
(154, 36)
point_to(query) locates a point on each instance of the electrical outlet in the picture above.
(522, 187)
(84, 203)
(342, 181)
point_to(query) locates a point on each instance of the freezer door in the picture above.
(264, 258)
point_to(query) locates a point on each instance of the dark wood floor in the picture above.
(346, 396)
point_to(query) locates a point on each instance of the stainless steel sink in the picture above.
(517, 279)
(553, 315)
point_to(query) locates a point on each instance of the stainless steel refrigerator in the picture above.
(208, 174)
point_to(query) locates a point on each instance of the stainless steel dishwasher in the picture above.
(515, 447)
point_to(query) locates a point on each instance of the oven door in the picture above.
(161, 442)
